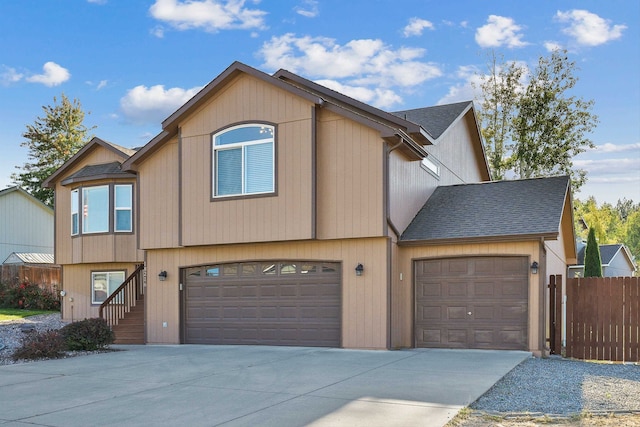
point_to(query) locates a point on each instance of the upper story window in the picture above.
(431, 165)
(243, 160)
(102, 209)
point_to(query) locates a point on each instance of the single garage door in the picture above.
(266, 303)
(475, 302)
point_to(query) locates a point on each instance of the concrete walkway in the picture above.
(193, 385)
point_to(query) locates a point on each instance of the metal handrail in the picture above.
(119, 303)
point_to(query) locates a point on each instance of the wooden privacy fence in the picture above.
(603, 318)
(46, 276)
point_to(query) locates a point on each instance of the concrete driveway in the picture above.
(193, 385)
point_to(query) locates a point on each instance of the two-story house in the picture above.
(272, 210)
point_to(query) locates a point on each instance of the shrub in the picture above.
(40, 345)
(29, 296)
(87, 335)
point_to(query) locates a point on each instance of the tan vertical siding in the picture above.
(284, 216)
(159, 196)
(410, 184)
(76, 282)
(364, 311)
(402, 290)
(350, 178)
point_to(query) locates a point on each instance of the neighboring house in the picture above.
(272, 210)
(617, 261)
(26, 224)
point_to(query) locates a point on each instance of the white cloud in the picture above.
(9, 75)
(416, 26)
(53, 75)
(97, 1)
(308, 8)
(616, 148)
(552, 46)
(500, 31)
(589, 29)
(153, 104)
(608, 168)
(381, 98)
(102, 84)
(209, 15)
(357, 64)
(467, 90)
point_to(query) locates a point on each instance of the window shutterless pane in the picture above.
(244, 134)
(259, 168)
(123, 196)
(75, 216)
(95, 209)
(228, 172)
(123, 211)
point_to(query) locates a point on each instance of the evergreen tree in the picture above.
(51, 140)
(592, 260)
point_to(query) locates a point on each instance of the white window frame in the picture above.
(117, 208)
(242, 146)
(86, 212)
(108, 290)
(75, 212)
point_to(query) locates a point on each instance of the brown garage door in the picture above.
(476, 302)
(266, 303)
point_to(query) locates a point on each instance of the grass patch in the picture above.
(16, 313)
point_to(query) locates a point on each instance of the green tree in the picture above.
(535, 128)
(51, 141)
(499, 102)
(592, 260)
(632, 238)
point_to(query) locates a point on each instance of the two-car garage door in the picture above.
(264, 303)
(474, 302)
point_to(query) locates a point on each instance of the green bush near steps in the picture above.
(87, 335)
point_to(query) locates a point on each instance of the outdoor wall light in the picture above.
(359, 269)
(162, 276)
(534, 267)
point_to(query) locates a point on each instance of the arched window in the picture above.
(243, 160)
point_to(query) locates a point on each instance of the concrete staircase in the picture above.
(130, 330)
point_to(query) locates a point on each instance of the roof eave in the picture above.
(479, 239)
(70, 181)
(50, 181)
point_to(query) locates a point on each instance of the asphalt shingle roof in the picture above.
(434, 120)
(91, 171)
(607, 252)
(491, 209)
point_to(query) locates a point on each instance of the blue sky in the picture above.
(132, 63)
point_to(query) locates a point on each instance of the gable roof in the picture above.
(499, 210)
(607, 254)
(123, 152)
(388, 124)
(436, 120)
(27, 195)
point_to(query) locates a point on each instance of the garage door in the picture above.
(477, 302)
(265, 303)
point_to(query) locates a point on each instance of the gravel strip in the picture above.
(564, 387)
(13, 331)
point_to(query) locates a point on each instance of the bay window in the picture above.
(102, 209)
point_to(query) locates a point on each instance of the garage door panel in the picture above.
(475, 302)
(281, 303)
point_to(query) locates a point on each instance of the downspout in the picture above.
(543, 310)
(394, 229)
